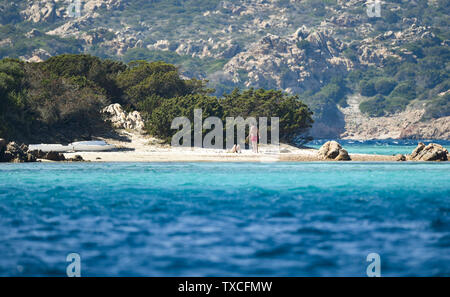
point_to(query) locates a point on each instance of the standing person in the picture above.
(254, 138)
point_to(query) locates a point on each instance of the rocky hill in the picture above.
(360, 71)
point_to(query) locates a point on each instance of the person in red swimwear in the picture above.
(254, 138)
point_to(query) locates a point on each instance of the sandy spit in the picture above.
(134, 147)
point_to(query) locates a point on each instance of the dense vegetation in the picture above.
(61, 98)
(58, 99)
(295, 117)
(424, 77)
(420, 78)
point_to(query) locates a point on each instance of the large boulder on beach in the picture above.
(430, 152)
(343, 156)
(400, 157)
(38, 154)
(76, 158)
(120, 119)
(15, 153)
(12, 152)
(54, 156)
(332, 150)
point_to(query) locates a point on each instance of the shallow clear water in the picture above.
(225, 219)
(379, 147)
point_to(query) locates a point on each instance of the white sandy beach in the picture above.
(134, 147)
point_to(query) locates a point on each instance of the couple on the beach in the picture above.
(253, 140)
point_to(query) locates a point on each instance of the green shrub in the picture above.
(405, 90)
(374, 107)
(295, 117)
(367, 88)
(396, 104)
(101, 73)
(384, 86)
(143, 79)
(159, 123)
(304, 44)
(438, 107)
(334, 91)
(390, 16)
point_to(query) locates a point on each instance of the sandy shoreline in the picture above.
(134, 147)
(219, 157)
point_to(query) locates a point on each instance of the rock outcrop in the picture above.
(55, 156)
(41, 11)
(120, 119)
(407, 124)
(12, 152)
(430, 152)
(431, 129)
(38, 55)
(52, 10)
(375, 50)
(332, 150)
(76, 158)
(400, 157)
(297, 63)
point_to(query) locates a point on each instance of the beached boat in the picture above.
(50, 148)
(92, 146)
(80, 146)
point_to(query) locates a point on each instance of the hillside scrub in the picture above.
(60, 99)
(400, 83)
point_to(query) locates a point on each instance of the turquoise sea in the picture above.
(225, 219)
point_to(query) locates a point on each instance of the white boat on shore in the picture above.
(59, 148)
(80, 146)
(92, 146)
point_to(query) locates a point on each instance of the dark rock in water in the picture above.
(54, 156)
(430, 152)
(400, 157)
(331, 150)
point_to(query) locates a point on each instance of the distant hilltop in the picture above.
(365, 73)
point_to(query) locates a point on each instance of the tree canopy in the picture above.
(61, 99)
